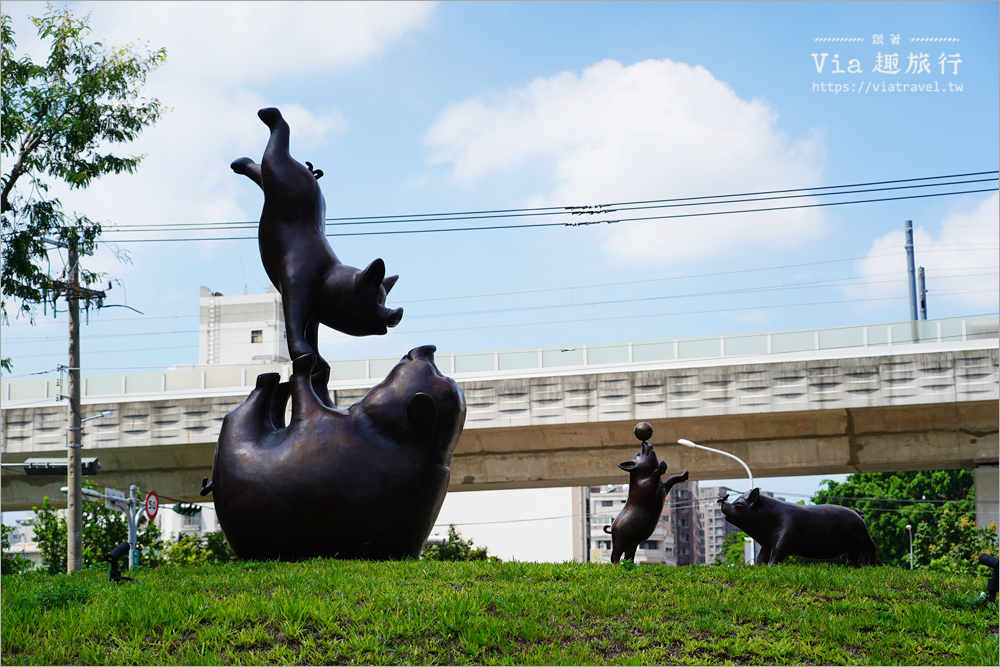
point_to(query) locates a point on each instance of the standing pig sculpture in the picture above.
(786, 529)
(646, 493)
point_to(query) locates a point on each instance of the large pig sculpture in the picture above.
(646, 493)
(364, 482)
(786, 529)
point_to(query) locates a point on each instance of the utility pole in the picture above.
(74, 439)
(910, 272)
(74, 471)
(922, 293)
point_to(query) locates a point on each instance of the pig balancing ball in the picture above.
(643, 431)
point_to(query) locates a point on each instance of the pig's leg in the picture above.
(676, 479)
(779, 553)
(616, 553)
(764, 557)
(630, 552)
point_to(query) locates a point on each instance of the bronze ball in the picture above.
(643, 431)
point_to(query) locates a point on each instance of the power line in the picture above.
(591, 209)
(575, 224)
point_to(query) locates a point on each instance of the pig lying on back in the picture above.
(785, 529)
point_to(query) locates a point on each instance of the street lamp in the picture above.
(688, 443)
(909, 529)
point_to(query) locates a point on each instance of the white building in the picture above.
(22, 540)
(241, 329)
(173, 525)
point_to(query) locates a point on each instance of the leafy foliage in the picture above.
(456, 549)
(939, 505)
(731, 549)
(953, 543)
(59, 119)
(103, 530)
(195, 550)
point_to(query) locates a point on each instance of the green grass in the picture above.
(422, 612)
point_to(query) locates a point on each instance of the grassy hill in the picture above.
(421, 612)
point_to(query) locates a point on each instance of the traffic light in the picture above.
(187, 509)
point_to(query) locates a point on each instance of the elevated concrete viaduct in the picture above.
(921, 406)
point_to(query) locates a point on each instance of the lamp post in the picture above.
(909, 529)
(688, 443)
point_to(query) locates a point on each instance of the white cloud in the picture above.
(235, 43)
(219, 55)
(960, 262)
(655, 129)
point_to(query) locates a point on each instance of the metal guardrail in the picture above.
(200, 378)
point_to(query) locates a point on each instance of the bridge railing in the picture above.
(220, 377)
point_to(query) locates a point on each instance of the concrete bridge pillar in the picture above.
(986, 478)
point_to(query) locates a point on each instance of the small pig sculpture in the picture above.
(786, 529)
(646, 493)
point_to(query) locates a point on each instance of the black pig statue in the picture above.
(646, 493)
(786, 529)
(365, 482)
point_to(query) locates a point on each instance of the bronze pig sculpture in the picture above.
(646, 493)
(785, 529)
(316, 287)
(365, 482)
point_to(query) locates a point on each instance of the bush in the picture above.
(457, 549)
(195, 550)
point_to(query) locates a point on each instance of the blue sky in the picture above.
(432, 108)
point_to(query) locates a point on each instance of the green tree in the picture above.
(103, 530)
(953, 543)
(929, 501)
(731, 549)
(59, 120)
(456, 549)
(50, 534)
(194, 550)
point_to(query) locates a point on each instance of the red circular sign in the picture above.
(152, 504)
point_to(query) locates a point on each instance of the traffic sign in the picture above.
(152, 504)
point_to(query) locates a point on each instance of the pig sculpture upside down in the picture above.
(786, 529)
(646, 493)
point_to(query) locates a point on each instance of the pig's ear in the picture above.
(422, 413)
(371, 278)
(626, 465)
(663, 467)
(753, 497)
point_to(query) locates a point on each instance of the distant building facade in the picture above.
(241, 329)
(22, 540)
(714, 523)
(174, 526)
